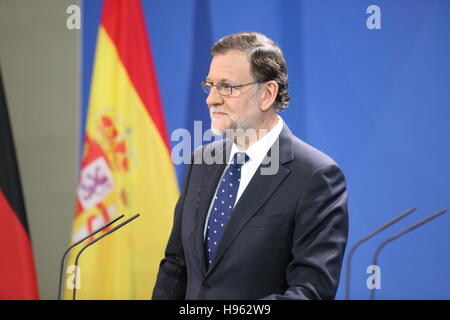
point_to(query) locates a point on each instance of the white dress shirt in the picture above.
(256, 153)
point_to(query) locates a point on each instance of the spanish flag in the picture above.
(126, 166)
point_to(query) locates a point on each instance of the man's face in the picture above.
(241, 109)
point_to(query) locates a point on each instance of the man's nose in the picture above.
(214, 98)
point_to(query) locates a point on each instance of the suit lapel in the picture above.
(255, 196)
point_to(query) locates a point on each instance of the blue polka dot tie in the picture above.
(223, 204)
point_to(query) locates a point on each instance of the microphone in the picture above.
(396, 236)
(91, 243)
(357, 244)
(61, 270)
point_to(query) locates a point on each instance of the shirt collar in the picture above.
(258, 150)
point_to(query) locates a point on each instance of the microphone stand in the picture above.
(355, 246)
(396, 236)
(61, 269)
(90, 244)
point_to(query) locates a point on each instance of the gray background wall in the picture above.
(39, 59)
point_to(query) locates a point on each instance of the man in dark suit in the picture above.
(267, 219)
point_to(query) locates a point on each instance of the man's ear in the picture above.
(269, 95)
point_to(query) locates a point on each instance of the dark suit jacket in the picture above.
(285, 238)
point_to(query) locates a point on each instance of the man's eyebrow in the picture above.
(221, 80)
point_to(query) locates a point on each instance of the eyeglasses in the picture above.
(223, 88)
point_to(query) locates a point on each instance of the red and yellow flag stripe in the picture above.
(126, 166)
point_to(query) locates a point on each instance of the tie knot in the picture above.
(239, 159)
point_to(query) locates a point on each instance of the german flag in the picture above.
(17, 271)
(126, 166)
